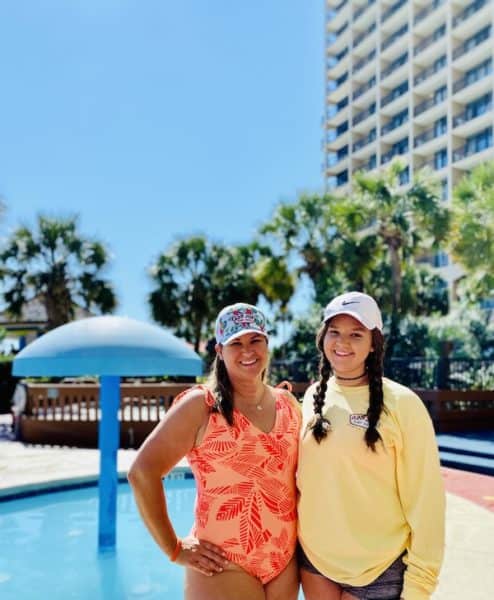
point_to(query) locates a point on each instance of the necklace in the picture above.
(259, 405)
(351, 378)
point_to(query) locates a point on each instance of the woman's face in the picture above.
(347, 344)
(245, 357)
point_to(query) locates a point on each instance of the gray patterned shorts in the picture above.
(388, 586)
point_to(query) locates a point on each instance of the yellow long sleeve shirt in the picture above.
(358, 509)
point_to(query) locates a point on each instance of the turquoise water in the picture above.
(48, 548)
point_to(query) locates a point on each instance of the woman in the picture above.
(371, 506)
(240, 437)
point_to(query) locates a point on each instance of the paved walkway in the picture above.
(468, 571)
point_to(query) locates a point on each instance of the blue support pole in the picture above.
(109, 434)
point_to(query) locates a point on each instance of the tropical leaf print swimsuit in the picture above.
(246, 493)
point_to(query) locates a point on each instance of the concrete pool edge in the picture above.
(60, 484)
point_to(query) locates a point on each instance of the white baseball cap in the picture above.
(357, 305)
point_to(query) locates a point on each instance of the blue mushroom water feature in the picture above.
(110, 347)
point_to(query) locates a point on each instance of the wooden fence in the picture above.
(68, 415)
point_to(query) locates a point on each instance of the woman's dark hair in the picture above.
(219, 383)
(374, 370)
(221, 386)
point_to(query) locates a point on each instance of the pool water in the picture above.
(48, 548)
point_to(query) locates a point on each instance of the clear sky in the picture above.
(154, 120)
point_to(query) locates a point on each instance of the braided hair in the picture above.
(374, 369)
(320, 426)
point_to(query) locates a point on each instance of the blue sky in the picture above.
(155, 120)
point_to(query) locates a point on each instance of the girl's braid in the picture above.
(374, 367)
(321, 425)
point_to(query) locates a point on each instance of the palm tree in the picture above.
(194, 279)
(410, 224)
(59, 267)
(321, 237)
(472, 240)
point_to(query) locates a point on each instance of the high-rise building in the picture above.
(409, 78)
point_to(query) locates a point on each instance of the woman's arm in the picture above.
(422, 497)
(170, 441)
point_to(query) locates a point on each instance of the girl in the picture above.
(371, 506)
(240, 437)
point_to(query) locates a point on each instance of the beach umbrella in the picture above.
(109, 347)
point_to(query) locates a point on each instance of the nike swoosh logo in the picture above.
(350, 302)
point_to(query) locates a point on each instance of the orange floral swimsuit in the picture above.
(246, 493)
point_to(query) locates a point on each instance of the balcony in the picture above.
(361, 116)
(335, 65)
(394, 94)
(367, 166)
(335, 164)
(473, 152)
(388, 42)
(385, 158)
(360, 72)
(338, 41)
(425, 12)
(370, 165)
(338, 113)
(394, 66)
(437, 163)
(361, 10)
(364, 88)
(474, 49)
(430, 71)
(468, 122)
(428, 104)
(474, 83)
(470, 10)
(429, 141)
(393, 9)
(439, 34)
(337, 89)
(337, 138)
(337, 16)
(364, 141)
(364, 41)
(393, 125)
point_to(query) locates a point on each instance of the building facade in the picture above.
(408, 78)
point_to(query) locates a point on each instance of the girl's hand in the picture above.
(205, 557)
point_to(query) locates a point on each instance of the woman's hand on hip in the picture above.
(205, 557)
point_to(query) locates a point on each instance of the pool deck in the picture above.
(468, 570)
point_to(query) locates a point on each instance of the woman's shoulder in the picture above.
(284, 390)
(199, 395)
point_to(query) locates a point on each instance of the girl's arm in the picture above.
(422, 497)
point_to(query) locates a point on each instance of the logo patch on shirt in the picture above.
(359, 421)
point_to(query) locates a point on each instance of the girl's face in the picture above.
(245, 357)
(347, 344)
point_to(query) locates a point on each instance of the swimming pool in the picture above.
(48, 548)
